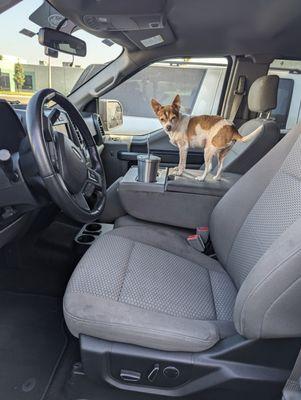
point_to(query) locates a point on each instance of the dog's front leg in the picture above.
(182, 162)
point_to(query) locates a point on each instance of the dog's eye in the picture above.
(173, 119)
(161, 119)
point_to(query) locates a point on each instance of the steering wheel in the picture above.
(72, 174)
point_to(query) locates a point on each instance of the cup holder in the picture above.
(93, 228)
(85, 239)
(88, 234)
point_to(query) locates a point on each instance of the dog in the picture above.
(211, 132)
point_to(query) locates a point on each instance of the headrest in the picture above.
(263, 94)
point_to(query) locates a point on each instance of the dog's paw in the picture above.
(172, 171)
(200, 178)
(177, 171)
(217, 178)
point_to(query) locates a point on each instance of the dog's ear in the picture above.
(156, 105)
(177, 102)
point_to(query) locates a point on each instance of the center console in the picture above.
(179, 201)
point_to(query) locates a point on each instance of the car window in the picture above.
(198, 82)
(287, 112)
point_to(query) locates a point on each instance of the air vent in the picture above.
(99, 123)
(78, 134)
(80, 138)
(99, 129)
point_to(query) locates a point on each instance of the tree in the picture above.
(19, 76)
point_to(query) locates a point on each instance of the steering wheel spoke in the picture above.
(95, 179)
(81, 201)
(53, 155)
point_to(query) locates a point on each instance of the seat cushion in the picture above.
(150, 288)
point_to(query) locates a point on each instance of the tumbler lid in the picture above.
(146, 157)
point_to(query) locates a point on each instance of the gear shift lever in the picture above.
(6, 163)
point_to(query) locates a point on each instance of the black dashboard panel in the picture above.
(11, 128)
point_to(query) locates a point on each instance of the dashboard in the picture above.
(18, 204)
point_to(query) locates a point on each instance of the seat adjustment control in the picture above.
(171, 372)
(154, 373)
(130, 376)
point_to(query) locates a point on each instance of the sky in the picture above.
(28, 49)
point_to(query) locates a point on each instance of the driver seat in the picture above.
(146, 286)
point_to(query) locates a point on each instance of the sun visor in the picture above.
(47, 16)
(143, 23)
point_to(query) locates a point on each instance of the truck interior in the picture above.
(116, 288)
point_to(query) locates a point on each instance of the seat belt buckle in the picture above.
(199, 240)
(203, 232)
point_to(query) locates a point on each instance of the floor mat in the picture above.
(41, 263)
(32, 340)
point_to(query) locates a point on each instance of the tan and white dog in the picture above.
(211, 132)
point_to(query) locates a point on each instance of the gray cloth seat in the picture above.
(137, 284)
(262, 99)
(146, 286)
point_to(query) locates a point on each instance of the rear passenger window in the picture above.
(287, 113)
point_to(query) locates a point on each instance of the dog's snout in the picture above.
(168, 128)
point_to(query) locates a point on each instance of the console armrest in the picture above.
(188, 184)
(182, 201)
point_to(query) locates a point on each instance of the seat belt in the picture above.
(239, 94)
(292, 388)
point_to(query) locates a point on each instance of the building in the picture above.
(62, 78)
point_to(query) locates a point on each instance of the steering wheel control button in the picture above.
(171, 372)
(93, 176)
(154, 373)
(130, 376)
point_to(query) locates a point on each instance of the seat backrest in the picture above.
(262, 99)
(256, 233)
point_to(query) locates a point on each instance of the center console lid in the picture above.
(178, 201)
(188, 184)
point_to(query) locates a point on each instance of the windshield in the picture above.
(24, 67)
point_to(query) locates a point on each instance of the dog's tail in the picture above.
(237, 136)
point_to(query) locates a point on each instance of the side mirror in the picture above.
(62, 42)
(111, 113)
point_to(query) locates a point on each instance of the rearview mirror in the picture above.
(62, 42)
(111, 114)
